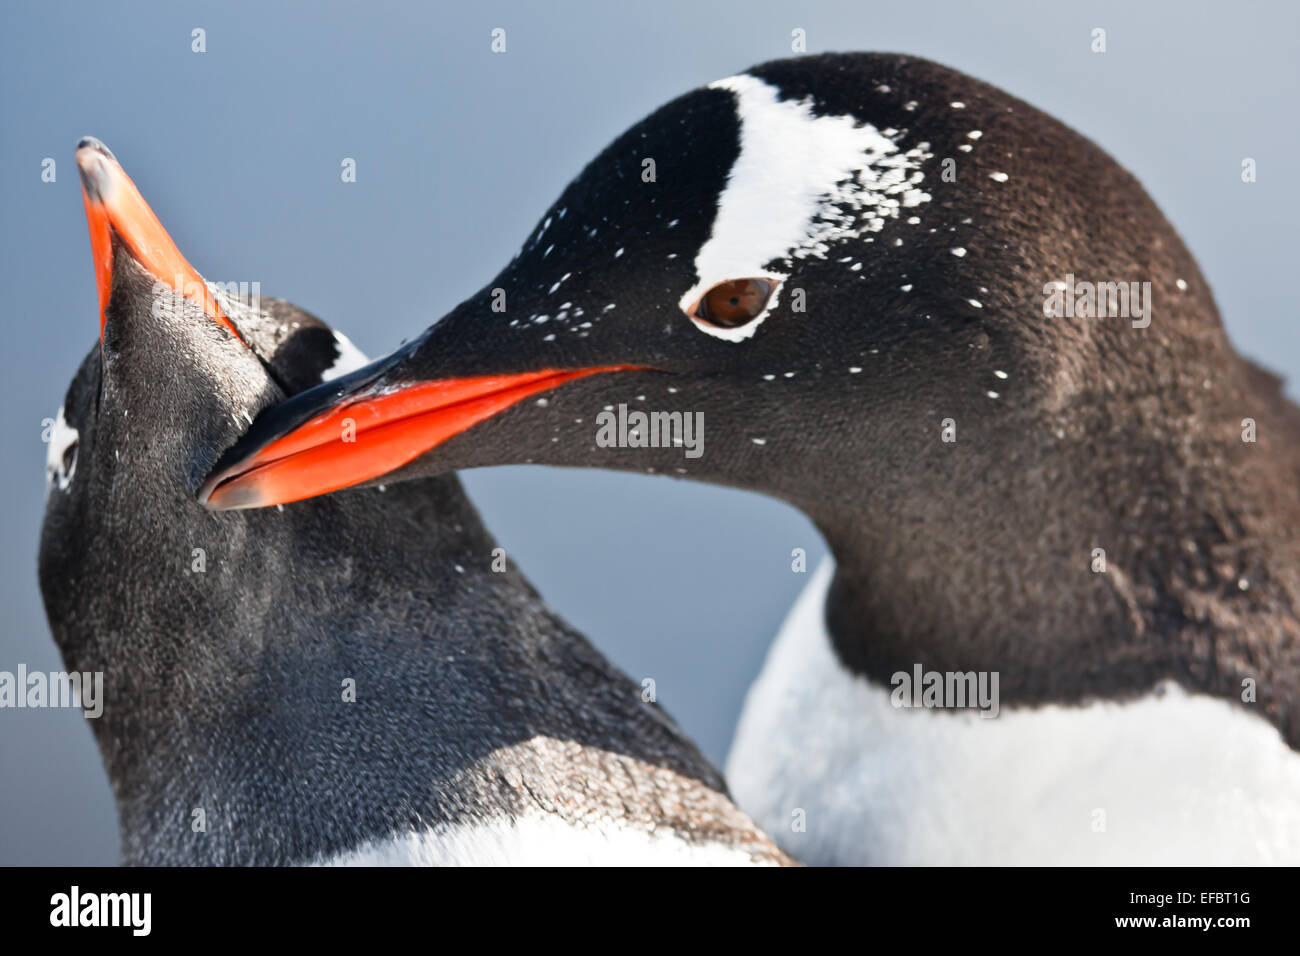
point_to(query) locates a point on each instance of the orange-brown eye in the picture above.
(732, 304)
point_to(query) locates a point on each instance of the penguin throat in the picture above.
(1067, 599)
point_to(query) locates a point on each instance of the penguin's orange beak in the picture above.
(357, 428)
(115, 207)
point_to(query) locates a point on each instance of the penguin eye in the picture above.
(729, 305)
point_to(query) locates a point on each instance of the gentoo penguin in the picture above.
(347, 680)
(861, 271)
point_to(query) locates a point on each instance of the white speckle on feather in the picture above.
(958, 252)
(1182, 284)
(999, 373)
(974, 134)
(999, 177)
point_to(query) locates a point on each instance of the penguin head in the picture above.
(809, 258)
(179, 371)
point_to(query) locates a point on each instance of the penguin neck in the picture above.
(1087, 561)
(396, 684)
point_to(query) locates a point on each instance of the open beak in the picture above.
(115, 207)
(360, 427)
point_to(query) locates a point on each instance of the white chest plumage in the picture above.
(539, 840)
(1173, 778)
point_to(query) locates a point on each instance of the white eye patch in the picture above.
(58, 471)
(350, 358)
(801, 183)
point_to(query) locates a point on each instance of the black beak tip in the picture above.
(89, 142)
(89, 150)
(231, 499)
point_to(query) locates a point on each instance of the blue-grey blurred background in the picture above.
(458, 150)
